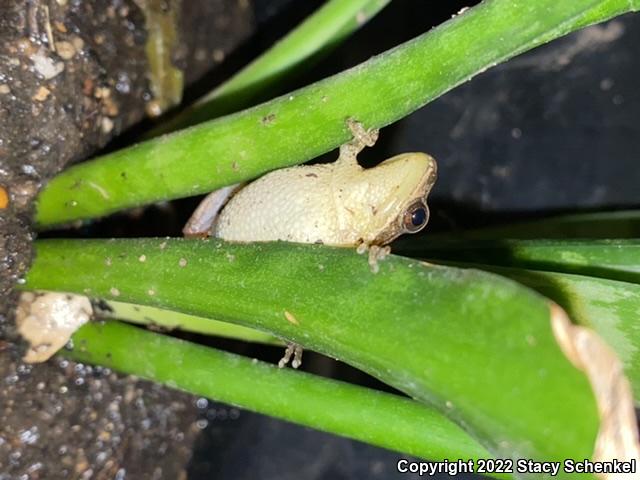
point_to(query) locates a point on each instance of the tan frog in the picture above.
(340, 204)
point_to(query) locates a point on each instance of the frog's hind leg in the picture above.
(295, 350)
(361, 138)
(201, 222)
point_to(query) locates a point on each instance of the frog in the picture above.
(339, 204)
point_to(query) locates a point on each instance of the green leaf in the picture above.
(379, 418)
(596, 281)
(474, 345)
(610, 307)
(323, 30)
(167, 320)
(304, 124)
(617, 259)
(620, 224)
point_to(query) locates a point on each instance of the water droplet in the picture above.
(29, 437)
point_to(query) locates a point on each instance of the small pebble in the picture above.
(106, 125)
(4, 198)
(66, 50)
(42, 94)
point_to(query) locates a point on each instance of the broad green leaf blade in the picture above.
(610, 307)
(379, 418)
(475, 345)
(304, 124)
(596, 281)
(617, 259)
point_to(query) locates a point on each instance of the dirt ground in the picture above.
(73, 75)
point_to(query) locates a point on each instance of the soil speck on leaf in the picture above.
(290, 318)
(269, 119)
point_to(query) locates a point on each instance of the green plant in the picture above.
(475, 346)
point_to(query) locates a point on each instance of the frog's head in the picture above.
(395, 202)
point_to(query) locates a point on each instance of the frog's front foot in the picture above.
(294, 350)
(376, 254)
(361, 136)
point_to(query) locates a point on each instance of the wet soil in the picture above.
(68, 420)
(74, 75)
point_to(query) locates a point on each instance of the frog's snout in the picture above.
(419, 161)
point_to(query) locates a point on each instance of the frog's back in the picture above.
(294, 205)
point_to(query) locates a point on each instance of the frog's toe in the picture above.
(361, 135)
(297, 356)
(377, 254)
(293, 350)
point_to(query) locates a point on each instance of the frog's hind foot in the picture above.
(293, 350)
(203, 219)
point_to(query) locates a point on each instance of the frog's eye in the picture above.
(416, 217)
